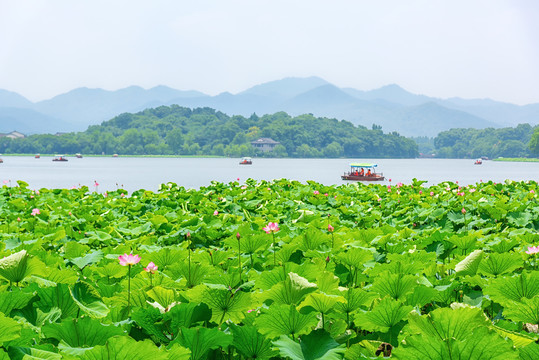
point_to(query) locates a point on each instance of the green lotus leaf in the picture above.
(384, 315)
(519, 219)
(291, 291)
(328, 283)
(166, 257)
(355, 257)
(178, 352)
(354, 299)
(394, 285)
(446, 323)
(519, 339)
(201, 340)
(498, 264)
(482, 345)
(464, 242)
(150, 319)
(524, 285)
(81, 333)
(57, 297)
(73, 249)
(186, 315)
(16, 267)
(250, 343)
(64, 276)
(9, 329)
(285, 319)
(125, 348)
(27, 353)
(88, 300)
(321, 302)
(227, 304)
(162, 296)
(365, 349)
(530, 352)
(97, 236)
(111, 270)
(91, 258)
(15, 299)
(421, 295)
(526, 310)
(318, 345)
(470, 264)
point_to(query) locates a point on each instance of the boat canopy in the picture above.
(363, 165)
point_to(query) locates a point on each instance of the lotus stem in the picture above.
(129, 290)
(274, 255)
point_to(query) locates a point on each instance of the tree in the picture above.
(534, 142)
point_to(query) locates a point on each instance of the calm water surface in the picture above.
(148, 173)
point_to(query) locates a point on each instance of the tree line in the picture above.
(490, 142)
(175, 130)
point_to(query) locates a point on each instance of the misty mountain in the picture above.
(391, 107)
(28, 121)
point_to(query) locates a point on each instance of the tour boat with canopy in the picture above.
(59, 158)
(363, 172)
(246, 161)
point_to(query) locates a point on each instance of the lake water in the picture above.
(148, 173)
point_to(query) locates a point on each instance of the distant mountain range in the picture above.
(391, 107)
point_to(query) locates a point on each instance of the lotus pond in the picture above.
(271, 270)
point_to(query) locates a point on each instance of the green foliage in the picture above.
(490, 142)
(174, 130)
(408, 273)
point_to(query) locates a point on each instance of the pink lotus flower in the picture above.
(130, 259)
(250, 311)
(271, 228)
(316, 192)
(399, 184)
(238, 179)
(96, 183)
(216, 212)
(432, 193)
(420, 192)
(5, 181)
(463, 211)
(532, 250)
(151, 268)
(330, 228)
(19, 219)
(326, 194)
(35, 212)
(532, 192)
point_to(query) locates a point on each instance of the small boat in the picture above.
(37, 156)
(78, 156)
(59, 158)
(363, 172)
(478, 162)
(115, 155)
(246, 161)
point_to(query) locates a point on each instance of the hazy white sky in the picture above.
(465, 48)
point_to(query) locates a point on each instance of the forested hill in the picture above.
(175, 130)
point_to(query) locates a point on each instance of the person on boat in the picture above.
(362, 172)
(369, 172)
(356, 173)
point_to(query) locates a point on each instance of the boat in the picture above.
(59, 158)
(246, 161)
(37, 156)
(79, 156)
(363, 172)
(478, 162)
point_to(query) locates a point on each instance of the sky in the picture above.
(450, 48)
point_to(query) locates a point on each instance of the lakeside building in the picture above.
(264, 144)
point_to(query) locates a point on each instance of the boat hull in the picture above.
(362, 178)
